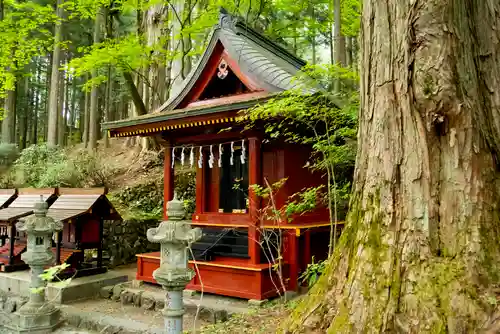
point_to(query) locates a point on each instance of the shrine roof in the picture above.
(236, 102)
(74, 202)
(6, 196)
(269, 67)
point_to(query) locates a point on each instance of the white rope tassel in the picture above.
(182, 156)
(211, 159)
(200, 160)
(242, 156)
(191, 157)
(220, 155)
(173, 157)
(231, 160)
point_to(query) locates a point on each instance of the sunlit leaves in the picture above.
(127, 54)
(23, 35)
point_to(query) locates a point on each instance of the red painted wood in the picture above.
(233, 64)
(205, 77)
(200, 185)
(168, 180)
(254, 178)
(212, 138)
(230, 219)
(233, 282)
(90, 231)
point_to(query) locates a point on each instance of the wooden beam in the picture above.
(254, 177)
(168, 180)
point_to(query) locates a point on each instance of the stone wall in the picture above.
(124, 239)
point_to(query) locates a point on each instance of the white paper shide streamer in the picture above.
(232, 153)
(191, 157)
(220, 155)
(200, 160)
(242, 156)
(211, 159)
(173, 157)
(182, 156)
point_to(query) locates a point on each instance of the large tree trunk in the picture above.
(340, 53)
(53, 116)
(421, 249)
(9, 117)
(94, 107)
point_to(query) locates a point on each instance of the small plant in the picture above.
(312, 273)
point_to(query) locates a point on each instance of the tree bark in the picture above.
(94, 108)
(339, 41)
(53, 116)
(86, 118)
(23, 120)
(348, 49)
(9, 117)
(62, 109)
(421, 247)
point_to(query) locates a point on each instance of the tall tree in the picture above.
(53, 115)
(340, 52)
(94, 107)
(421, 249)
(9, 116)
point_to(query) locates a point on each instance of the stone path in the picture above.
(102, 313)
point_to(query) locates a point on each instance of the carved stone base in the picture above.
(43, 322)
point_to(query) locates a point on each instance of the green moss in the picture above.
(341, 322)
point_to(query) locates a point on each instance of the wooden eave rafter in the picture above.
(194, 116)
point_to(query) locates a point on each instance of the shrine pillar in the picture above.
(254, 177)
(168, 179)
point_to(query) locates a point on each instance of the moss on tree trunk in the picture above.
(421, 250)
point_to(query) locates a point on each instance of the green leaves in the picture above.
(23, 35)
(51, 274)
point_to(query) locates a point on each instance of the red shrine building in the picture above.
(202, 125)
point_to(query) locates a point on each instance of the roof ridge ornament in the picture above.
(226, 20)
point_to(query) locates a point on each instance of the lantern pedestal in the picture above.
(174, 237)
(38, 315)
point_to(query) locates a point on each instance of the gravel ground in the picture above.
(150, 318)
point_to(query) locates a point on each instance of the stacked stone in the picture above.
(124, 239)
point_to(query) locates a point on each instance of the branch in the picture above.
(136, 97)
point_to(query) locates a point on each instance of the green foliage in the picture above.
(326, 122)
(185, 188)
(41, 166)
(23, 35)
(50, 275)
(142, 201)
(312, 272)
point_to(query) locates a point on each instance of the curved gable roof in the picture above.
(267, 64)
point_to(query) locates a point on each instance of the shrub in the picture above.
(143, 201)
(42, 166)
(8, 154)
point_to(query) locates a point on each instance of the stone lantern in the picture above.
(174, 236)
(38, 316)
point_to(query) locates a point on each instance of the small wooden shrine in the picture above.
(22, 206)
(82, 212)
(239, 69)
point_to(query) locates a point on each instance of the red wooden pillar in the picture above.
(168, 180)
(200, 184)
(293, 258)
(254, 177)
